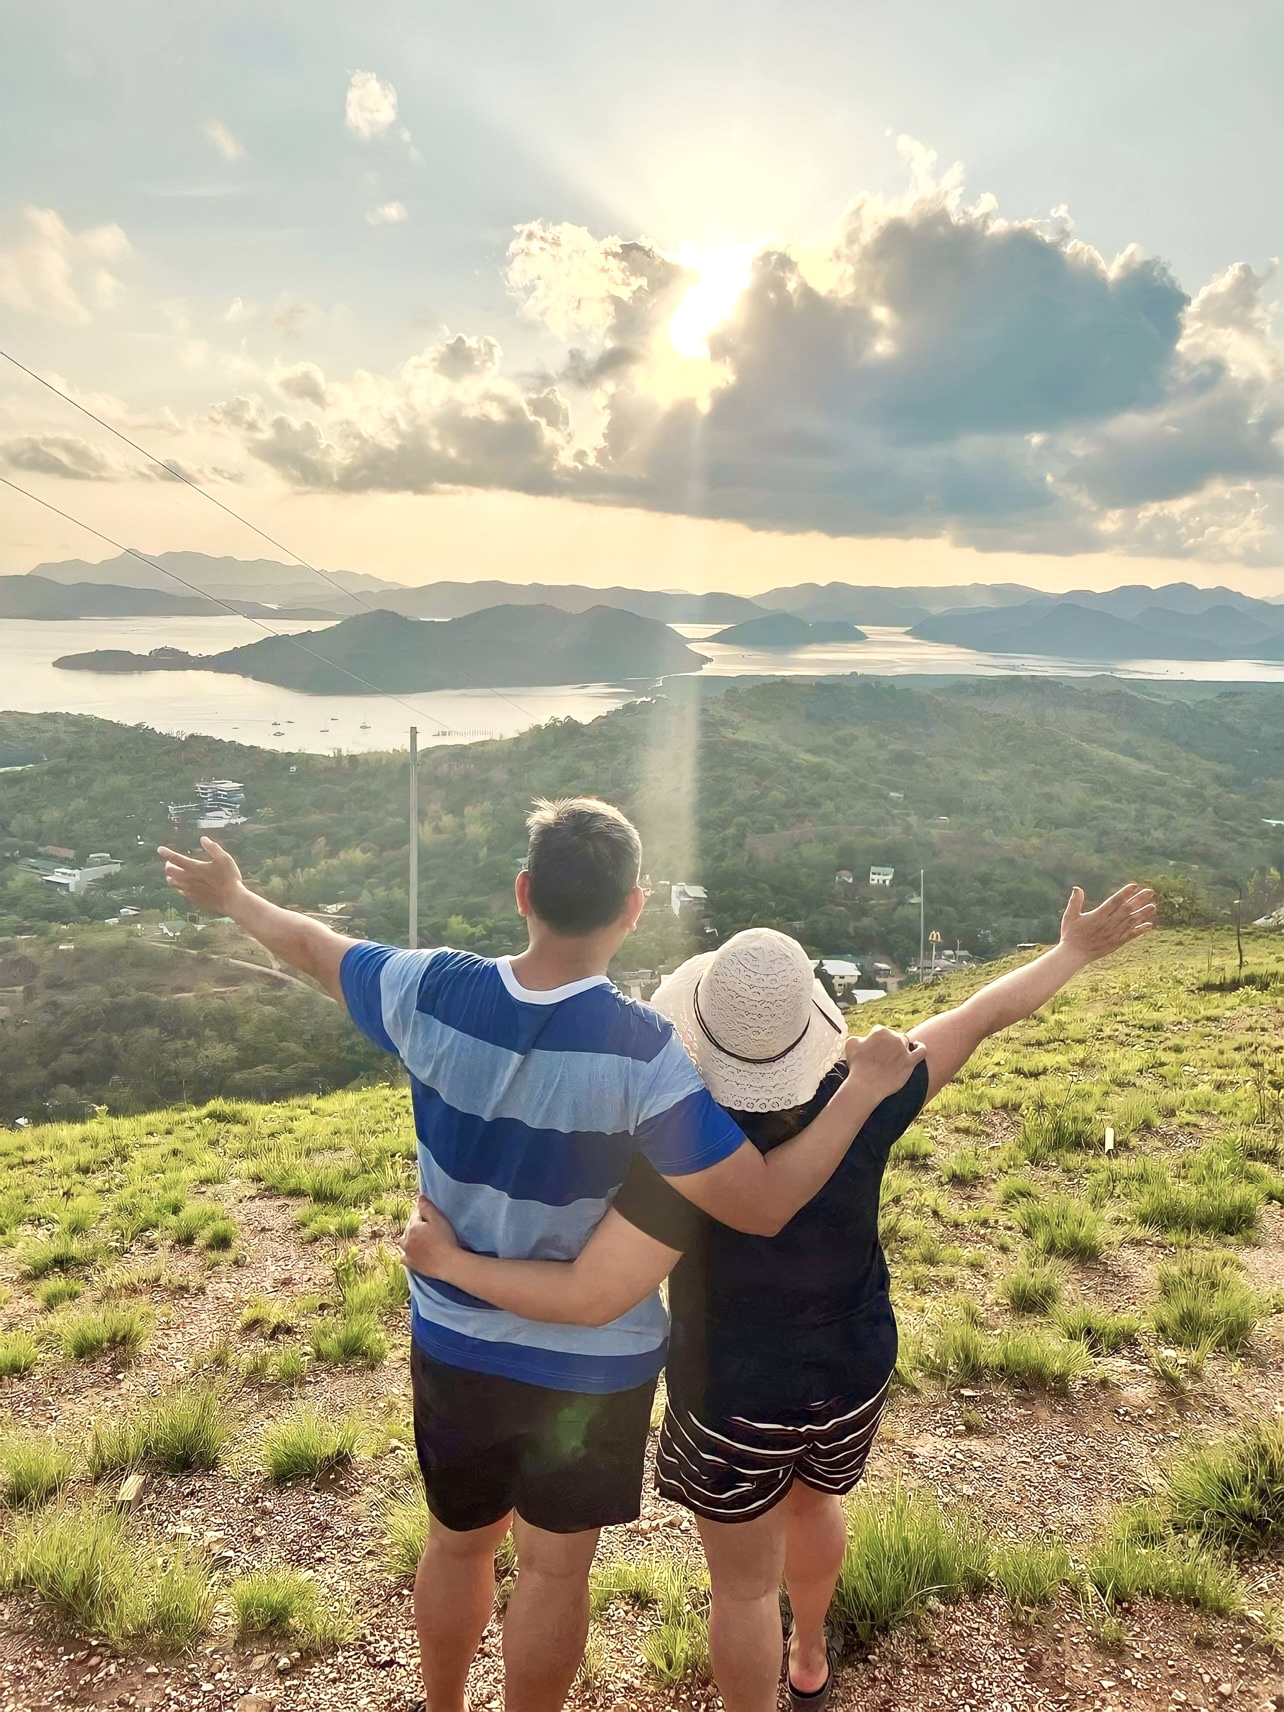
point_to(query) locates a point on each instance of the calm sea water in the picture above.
(250, 712)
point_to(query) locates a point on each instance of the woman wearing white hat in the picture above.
(782, 1348)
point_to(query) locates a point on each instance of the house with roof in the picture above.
(688, 903)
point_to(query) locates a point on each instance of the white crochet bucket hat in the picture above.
(759, 1026)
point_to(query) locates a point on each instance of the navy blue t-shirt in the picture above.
(762, 1327)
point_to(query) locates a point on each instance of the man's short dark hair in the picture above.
(583, 862)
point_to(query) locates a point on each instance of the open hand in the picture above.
(1125, 915)
(882, 1061)
(428, 1241)
(210, 883)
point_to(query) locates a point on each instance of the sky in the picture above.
(701, 295)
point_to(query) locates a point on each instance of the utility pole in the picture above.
(922, 908)
(413, 934)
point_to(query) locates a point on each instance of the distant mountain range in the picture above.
(785, 630)
(452, 600)
(874, 605)
(504, 646)
(1177, 621)
(1067, 629)
(264, 580)
(41, 597)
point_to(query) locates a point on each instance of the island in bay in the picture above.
(502, 645)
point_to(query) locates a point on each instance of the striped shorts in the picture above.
(732, 1470)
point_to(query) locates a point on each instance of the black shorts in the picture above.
(729, 1469)
(566, 1461)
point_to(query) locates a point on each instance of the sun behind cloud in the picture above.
(722, 273)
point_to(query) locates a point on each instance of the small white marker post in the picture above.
(1110, 1139)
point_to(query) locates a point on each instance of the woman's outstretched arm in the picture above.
(1086, 936)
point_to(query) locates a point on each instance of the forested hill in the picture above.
(510, 645)
(1006, 790)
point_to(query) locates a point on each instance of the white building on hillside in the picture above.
(73, 881)
(844, 974)
(226, 794)
(218, 805)
(688, 903)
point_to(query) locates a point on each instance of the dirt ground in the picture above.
(1028, 1463)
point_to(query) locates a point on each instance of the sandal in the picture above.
(816, 1698)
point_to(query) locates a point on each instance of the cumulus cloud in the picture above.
(302, 381)
(51, 271)
(219, 137)
(370, 107)
(461, 357)
(63, 455)
(446, 420)
(945, 371)
(390, 214)
(606, 289)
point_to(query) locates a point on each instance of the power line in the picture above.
(280, 635)
(196, 487)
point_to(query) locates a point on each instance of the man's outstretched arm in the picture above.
(1086, 936)
(213, 883)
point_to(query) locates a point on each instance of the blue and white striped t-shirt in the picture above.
(529, 1108)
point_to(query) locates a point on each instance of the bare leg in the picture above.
(547, 1618)
(454, 1596)
(815, 1537)
(746, 1560)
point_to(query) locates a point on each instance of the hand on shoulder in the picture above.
(882, 1061)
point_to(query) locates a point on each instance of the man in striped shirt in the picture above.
(534, 1082)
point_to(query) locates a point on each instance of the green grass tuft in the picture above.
(901, 1548)
(61, 1253)
(92, 1565)
(1063, 1225)
(288, 1607)
(33, 1469)
(1030, 1571)
(219, 1235)
(1124, 1568)
(1204, 1303)
(404, 1521)
(356, 1338)
(267, 1317)
(18, 1354)
(307, 1443)
(372, 1284)
(1050, 1129)
(183, 1430)
(88, 1333)
(963, 1167)
(961, 1352)
(1210, 1208)
(1102, 1331)
(1032, 1287)
(1231, 1493)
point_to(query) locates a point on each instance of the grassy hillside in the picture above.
(206, 1296)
